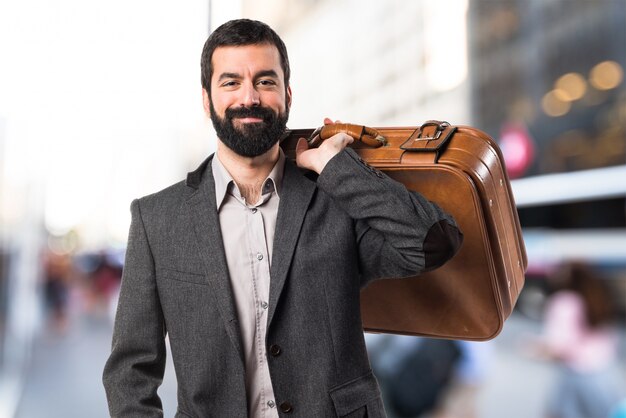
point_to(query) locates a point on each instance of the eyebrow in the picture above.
(266, 73)
(228, 75)
(263, 73)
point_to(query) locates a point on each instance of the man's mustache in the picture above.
(250, 112)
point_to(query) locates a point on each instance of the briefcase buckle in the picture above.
(434, 143)
(439, 128)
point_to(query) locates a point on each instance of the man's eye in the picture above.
(229, 83)
(267, 82)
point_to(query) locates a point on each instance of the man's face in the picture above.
(249, 104)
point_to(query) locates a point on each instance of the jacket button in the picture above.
(286, 407)
(275, 350)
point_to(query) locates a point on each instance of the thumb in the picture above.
(303, 159)
(301, 146)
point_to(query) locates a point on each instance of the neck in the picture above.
(248, 172)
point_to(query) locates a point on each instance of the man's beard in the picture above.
(251, 139)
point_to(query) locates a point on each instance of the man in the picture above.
(253, 269)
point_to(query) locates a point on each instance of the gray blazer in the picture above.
(334, 234)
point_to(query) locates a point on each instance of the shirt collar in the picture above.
(224, 181)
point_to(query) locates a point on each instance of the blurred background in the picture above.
(100, 102)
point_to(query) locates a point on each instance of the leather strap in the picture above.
(432, 137)
(368, 136)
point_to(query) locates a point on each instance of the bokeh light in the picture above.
(606, 75)
(570, 87)
(554, 105)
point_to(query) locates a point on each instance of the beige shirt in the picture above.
(248, 235)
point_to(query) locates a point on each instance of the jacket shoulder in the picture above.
(170, 197)
(177, 192)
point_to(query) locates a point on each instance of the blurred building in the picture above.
(556, 69)
(547, 79)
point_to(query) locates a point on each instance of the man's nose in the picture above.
(249, 95)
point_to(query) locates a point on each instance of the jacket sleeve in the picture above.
(399, 232)
(136, 365)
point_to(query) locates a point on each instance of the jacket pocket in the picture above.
(182, 276)
(360, 396)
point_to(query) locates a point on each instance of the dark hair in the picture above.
(581, 278)
(241, 32)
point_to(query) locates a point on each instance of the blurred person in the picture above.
(56, 289)
(105, 281)
(460, 396)
(253, 266)
(435, 378)
(414, 372)
(580, 334)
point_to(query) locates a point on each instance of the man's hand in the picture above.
(316, 159)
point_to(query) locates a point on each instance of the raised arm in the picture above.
(400, 233)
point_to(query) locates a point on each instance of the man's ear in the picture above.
(288, 96)
(206, 102)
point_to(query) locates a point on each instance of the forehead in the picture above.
(246, 59)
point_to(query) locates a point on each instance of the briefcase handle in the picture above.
(368, 136)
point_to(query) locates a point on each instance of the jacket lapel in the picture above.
(203, 214)
(296, 193)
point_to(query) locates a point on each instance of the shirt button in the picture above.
(286, 407)
(264, 305)
(254, 210)
(259, 256)
(271, 404)
(275, 350)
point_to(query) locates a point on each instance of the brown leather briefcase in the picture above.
(462, 170)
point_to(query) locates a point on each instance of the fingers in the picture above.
(329, 121)
(341, 139)
(316, 158)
